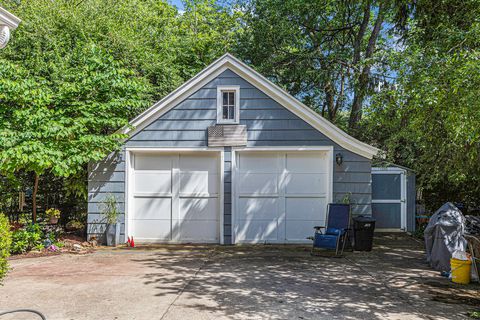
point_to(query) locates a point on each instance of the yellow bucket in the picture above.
(460, 270)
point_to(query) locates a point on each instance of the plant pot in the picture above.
(53, 220)
(112, 234)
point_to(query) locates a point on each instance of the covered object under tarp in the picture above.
(443, 235)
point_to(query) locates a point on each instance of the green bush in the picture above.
(5, 242)
(24, 240)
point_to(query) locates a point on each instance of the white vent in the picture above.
(4, 36)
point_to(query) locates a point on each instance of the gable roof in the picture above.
(227, 61)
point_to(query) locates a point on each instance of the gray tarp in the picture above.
(443, 235)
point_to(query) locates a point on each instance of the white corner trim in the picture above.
(228, 61)
(220, 119)
(8, 19)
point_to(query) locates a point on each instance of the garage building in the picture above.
(229, 157)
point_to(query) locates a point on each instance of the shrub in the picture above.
(110, 209)
(52, 213)
(5, 242)
(24, 240)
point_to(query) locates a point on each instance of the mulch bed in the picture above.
(72, 244)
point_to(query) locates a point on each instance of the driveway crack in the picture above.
(209, 256)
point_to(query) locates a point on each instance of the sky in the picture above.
(177, 3)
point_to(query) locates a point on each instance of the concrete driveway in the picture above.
(249, 282)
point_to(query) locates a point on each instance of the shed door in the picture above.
(389, 199)
(175, 198)
(280, 196)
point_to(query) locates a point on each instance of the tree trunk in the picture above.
(34, 199)
(357, 46)
(362, 84)
(329, 100)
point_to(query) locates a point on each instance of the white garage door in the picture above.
(175, 198)
(280, 196)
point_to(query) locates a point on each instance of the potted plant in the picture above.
(110, 212)
(53, 215)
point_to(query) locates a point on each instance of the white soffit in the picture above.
(228, 61)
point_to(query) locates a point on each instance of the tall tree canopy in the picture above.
(328, 53)
(430, 119)
(79, 70)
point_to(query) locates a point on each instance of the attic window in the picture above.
(228, 104)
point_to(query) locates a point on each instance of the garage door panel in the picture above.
(175, 198)
(195, 162)
(153, 182)
(198, 209)
(305, 209)
(281, 196)
(253, 209)
(301, 183)
(306, 162)
(198, 231)
(300, 230)
(259, 162)
(258, 183)
(153, 208)
(257, 231)
(198, 182)
(153, 162)
(152, 230)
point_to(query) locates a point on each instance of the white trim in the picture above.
(221, 197)
(8, 19)
(287, 148)
(234, 193)
(220, 90)
(227, 61)
(160, 149)
(129, 181)
(389, 170)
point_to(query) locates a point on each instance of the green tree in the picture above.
(76, 71)
(327, 53)
(60, 124)
(429, 120)
(206, 30)
(5, 242)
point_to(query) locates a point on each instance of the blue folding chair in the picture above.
(336, 231)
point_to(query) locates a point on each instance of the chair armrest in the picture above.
(319, 227)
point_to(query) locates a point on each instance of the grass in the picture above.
(474, 314)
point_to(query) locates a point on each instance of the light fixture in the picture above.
(339, 159)
(4, 36)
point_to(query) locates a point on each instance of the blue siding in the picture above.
(105, 177)
(268, 124)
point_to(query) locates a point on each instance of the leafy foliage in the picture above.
(61, 124)
(5, 243)
(429, 120)
(320, 51)
(24, 240)
(78, 71)
(110, 209)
